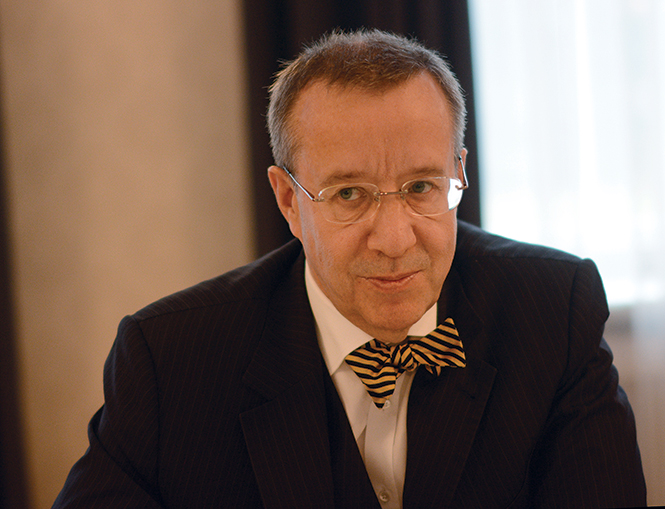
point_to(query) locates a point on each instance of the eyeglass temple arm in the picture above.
(465, 182)
(309, 195)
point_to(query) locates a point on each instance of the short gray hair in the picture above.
(367, 59)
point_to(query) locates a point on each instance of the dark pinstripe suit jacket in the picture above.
(216, 397)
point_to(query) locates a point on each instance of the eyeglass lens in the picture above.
(354, 203)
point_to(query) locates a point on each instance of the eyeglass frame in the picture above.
(380, 194)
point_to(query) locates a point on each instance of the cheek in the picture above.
(440, 244)
(330, 251)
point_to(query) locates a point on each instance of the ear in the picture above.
(286, 198)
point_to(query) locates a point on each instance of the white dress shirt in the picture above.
(379, 432)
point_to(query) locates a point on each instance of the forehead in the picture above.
(349, 127)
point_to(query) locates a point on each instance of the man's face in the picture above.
(384, 273)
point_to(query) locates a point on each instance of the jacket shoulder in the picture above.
(507, 274)
(254, 281)
(475, 243)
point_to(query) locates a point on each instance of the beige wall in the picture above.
(128, 179)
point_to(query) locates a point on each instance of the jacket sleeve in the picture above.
(588, 456)
(119, 469)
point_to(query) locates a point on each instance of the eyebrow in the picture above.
(354, 176)
(342, 178)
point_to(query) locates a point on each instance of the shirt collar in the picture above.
(337, 335)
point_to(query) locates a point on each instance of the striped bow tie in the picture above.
(379, 365)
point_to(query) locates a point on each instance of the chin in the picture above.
(397, 319)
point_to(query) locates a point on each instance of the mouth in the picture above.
(392, 281)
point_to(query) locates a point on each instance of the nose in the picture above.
(391, 228)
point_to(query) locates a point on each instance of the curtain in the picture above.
(571, 104)
(13, 491)
(276, 30)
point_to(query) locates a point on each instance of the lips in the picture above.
(393, 281)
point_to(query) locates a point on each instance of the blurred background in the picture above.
(133, 163)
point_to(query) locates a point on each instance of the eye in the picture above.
(420, 187)
(350, 193)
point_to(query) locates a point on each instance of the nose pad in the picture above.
(380, 198)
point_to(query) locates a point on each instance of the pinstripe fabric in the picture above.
(379, 365)
(216, 397)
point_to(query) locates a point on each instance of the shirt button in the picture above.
(386, 405)
(384, 496)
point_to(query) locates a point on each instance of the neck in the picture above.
(390, 337)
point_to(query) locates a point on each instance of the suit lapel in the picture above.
(444, 412)
(287, 437)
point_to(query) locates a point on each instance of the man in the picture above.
(256, 389)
